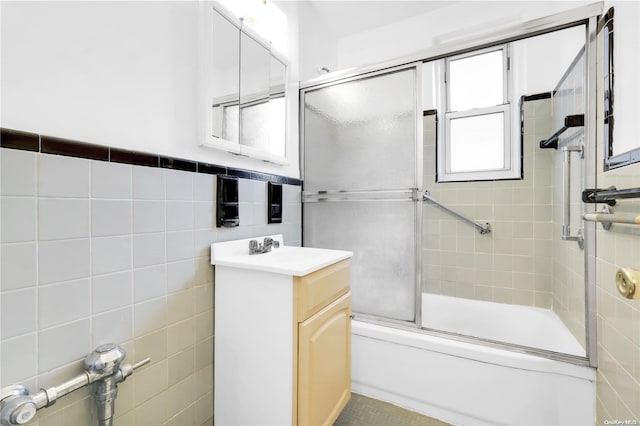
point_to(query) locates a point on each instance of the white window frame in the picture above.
(512, 161)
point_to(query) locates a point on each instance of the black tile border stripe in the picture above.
(133, 157)
(58, 146)
(536, 97)
(26, 141)
(177, 164)
(16, 139)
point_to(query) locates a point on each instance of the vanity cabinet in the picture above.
(282, 336)
(324, 344)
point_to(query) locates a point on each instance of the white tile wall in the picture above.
(95, 252)
(618, 379)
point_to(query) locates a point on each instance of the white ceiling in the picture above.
(346, 17)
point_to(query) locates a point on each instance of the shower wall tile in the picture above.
(18, 360)
(60, 176)
(179, 185)
(63, 260)
(114, 326)
(18, 266)
(18, 173)
(17, 313)
(148, 183)
(179, 215)
(149, 316)
(618, 380)
(179, 245)
(180, 275)
(60, 219)
(65, 302)
(111, 291)
(149, 283)
(148, 216)
(110, 180)
(110, 217)
(149, 249)
(204, 187)
(18, 219)
(58, 346)
(96, 252)
(111, 254)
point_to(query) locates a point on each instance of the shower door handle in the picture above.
(566, 192)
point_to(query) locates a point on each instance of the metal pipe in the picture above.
(483, 229)
(103, 369)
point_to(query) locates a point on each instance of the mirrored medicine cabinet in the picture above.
(242, 89)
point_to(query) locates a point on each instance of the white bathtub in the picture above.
(467, 384)
(520, 325)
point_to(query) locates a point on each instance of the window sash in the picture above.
(505, 71)
(511, 169)
(507, 153)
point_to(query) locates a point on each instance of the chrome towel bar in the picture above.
(482, 228)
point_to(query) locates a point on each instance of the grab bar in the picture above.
(566, 192)
(483, 229)
(609, 195)
(609, 218)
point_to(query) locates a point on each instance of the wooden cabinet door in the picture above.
(324, 364)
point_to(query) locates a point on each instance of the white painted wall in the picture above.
(117, 73)
(460, 20)
(319, 44)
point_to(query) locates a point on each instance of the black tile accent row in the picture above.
(536, 97)
(17, 139)
(177, 164)
(133, 157)
(58, 146)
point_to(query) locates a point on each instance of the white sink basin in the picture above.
(297, 261)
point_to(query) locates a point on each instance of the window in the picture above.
(477, 143)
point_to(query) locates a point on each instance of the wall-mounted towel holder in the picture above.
(609, 195)
(569, 122)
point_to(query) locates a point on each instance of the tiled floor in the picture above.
(363, 411)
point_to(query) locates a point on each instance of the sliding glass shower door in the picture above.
(360, 172)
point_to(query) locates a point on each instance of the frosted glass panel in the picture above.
(230, 123)
(477, 143)
(277, 125)
(476, 81)
(368, 123)
(255, 126)
(382, 237)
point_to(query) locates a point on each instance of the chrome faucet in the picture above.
(265, 247)
(102, 368)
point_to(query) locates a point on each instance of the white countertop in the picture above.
(296, 261)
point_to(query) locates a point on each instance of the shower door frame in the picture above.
(418, 178)
(585, 15)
